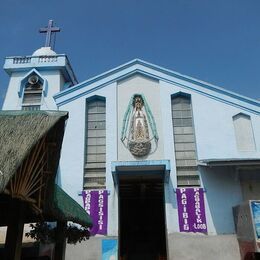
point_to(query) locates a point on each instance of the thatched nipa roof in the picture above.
(19, 132)
(21, 135)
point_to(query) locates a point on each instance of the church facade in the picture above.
(176, 159)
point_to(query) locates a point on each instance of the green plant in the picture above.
(44, 233)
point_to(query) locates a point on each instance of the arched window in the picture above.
(32, 95)
(95, 144)
(244, 132)
(184, 141)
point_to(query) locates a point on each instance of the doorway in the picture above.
(142, 226)
(250, 183)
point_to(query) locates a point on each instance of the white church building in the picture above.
(172, 156)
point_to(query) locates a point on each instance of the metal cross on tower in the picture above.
(49, 30)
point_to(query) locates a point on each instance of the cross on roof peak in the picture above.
(49, 30)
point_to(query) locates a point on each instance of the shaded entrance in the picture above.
(141, 217)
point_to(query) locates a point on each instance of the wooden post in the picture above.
(60, 244)
(14, 236)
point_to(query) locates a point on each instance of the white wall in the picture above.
(213, 122)
(72, 155)
(222, 193)
(215, 138)
(55, 82)
(12, 100)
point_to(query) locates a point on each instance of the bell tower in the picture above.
(36, 78)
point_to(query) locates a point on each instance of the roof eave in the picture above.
(138, 66)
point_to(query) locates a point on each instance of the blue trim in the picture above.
(62, 63)
(66, 85)
(24, 79)
(138, 71)
(142, 164)
(95, 97)
(94, 79)
(93, 89)
(158, 69)
(236, 115)
(200, 83)
(181, 94)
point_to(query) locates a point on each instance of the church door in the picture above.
(142, 232)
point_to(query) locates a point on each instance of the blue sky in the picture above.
(215, 41)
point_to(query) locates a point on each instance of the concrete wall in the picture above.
(213, 142)
(54, 81)
(72, 155)
(214, 131)
(213, 122)
(219, 184)
(215, 139)
(182, 246)
(222, 193)
(198, 247)
(90, 249)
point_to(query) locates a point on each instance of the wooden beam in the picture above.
(60, 244)
(14, 236)
(29, 181)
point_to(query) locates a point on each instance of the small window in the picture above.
(184, 142)
(244, 132)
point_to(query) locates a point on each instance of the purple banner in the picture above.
(191, 210)
(95, 203)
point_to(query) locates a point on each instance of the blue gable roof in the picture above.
(138, 66)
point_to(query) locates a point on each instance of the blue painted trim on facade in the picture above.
(93, 89)
(201, 83)
(22, 83)
(95, 97)
(162, 70)
(181, 94)
(236, 115)
(138, 71)
(142, 164)
(62, 64)
(94, 79)
(214, 97)
(69, 70)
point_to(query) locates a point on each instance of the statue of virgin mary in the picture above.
(137, 123)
